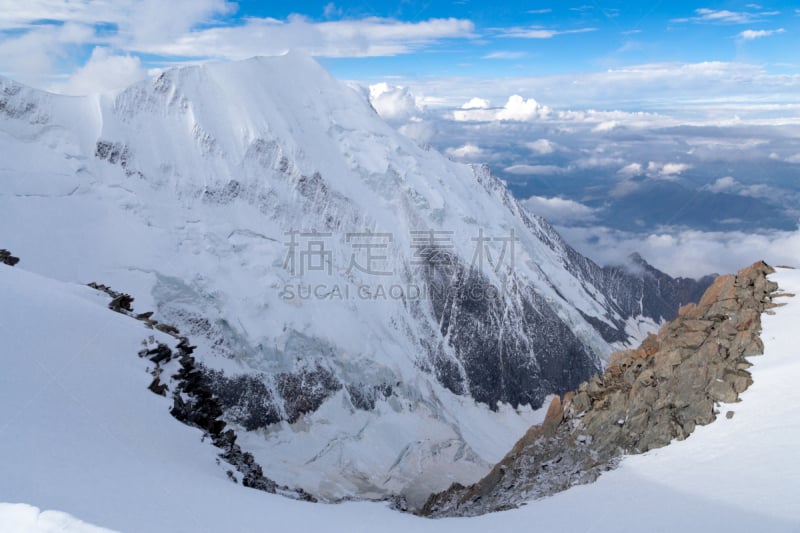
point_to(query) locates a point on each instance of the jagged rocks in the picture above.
(304, 391)
(194, 402)
(646, 398)
(246, 399)
(7, 259)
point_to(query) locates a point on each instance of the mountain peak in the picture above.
(346, 278)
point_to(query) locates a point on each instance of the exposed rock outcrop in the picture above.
(194, 402)
(7, 259)
(646, 398)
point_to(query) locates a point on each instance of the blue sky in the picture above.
(44, 42)
(538, 38)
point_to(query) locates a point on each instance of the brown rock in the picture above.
(647, 397)
(722, 391)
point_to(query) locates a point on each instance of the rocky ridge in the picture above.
(194, 403)
(7, 259)
(647, 397)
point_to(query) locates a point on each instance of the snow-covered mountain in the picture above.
(82, 435)
(379, 318)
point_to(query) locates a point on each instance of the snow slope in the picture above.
(183, 191)
(83, 435)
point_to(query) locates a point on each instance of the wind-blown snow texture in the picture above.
(186, 191)
(85, 437)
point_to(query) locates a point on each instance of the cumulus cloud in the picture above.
(559, 210)
(476, 103)
(105, 71)
(725, 184)
(468, 151)
(516, 108)
(631, 170)
(632, 175)
(666, 170)
(393, 102)
(749, 35)
(542, 146)
(731, 185)
(519, 108)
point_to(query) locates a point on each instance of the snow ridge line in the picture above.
(194, 404)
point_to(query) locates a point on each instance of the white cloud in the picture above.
(330, 10)
(476, 103)
(598, 161)
(104, 72)
(710, 93)
(624, 188)
(516, 108)
(749, 35)
(535, 170)
(342, 38)
(632, 170)
(729, 184)
(666, 170)
(673, 169)
(608, 125)
(539, 33)
(504, 55)
(724, 16)
(559, 210)
(726, 184)
(420, 131)
(139, 19)
(653, 170)
(468, 151)
(542, 146)
(688, 253)
(393, 102)
(31, 56)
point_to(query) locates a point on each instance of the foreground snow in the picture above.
(82, 435)
(23, 518)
